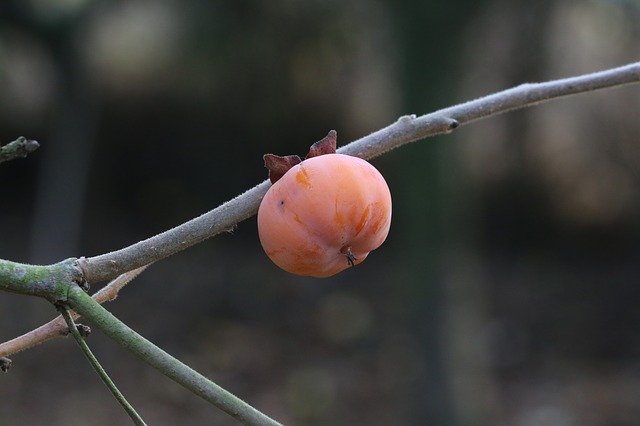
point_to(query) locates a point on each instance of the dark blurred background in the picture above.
(506, 293)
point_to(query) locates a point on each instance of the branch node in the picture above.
(5, 364)
(84, 330)
(79, 277)
(232, 229)
(407, 118)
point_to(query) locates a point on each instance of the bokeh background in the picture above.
(507, 291)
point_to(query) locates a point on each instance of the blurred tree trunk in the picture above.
(63, 178)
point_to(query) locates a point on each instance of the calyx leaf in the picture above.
(279, 165)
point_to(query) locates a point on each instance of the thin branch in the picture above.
(162, 361)
(110, 292)
(57, 326)
(406, 129)
(19, 148)
(98, 368)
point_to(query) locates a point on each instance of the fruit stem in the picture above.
(350, 257)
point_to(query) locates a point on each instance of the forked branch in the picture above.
(57, 327)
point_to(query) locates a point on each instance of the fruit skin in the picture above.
(320, 211)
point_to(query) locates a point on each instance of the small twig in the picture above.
(406, 129)
(57, 327)
(19, 148)
(98, 368)
(110, 292)
(171, 367)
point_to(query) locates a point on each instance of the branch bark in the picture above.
(406, 129)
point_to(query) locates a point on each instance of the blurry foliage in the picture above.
(504, 294)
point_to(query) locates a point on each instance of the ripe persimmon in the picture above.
(324, 214)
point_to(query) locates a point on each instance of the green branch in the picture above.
(181, 373)
(50, 282)
(19, 148)
(60, 284)
(56, 326)
(73, 329)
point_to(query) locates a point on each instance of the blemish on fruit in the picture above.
(363, 220)
(297, 219)
(303, 178)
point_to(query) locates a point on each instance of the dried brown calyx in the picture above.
(279, 165)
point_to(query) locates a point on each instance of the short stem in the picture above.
(73, 329)
(181, 373)
(350, 257)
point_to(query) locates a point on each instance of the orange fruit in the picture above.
(324, 215)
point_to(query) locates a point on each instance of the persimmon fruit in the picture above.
(324, 214)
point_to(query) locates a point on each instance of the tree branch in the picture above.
(60, 284)
(56, 282)
(404, 130)
(19, 148)
(57, 326)
(162, 361)
(73, 329)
